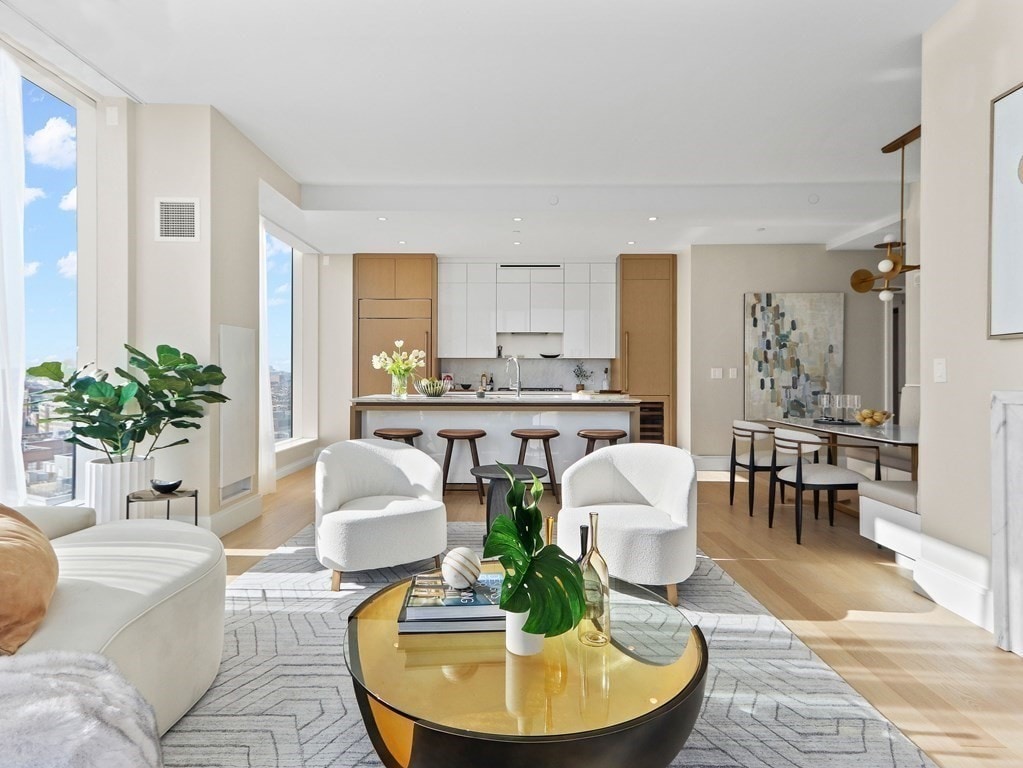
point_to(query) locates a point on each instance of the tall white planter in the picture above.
(516, 640)
(110, 484)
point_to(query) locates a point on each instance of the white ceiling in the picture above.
(395, 104)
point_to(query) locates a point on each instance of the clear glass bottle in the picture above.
(584, 537)
(595, 627)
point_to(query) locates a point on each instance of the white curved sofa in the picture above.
(645, 496)
(379, 503)
(147, 594)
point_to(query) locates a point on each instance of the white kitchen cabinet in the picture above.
(603, 273)
(577, 273)
(603, 332)
(512, 306)
(546, 307)
(576, 339)
(451, 313)
(467, 311)
(480, 320)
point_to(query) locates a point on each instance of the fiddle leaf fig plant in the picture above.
(540, 579)
(168, 391)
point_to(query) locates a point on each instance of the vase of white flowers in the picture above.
(401, 366)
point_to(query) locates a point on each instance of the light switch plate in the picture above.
(940, 371)
(715, 373)
(733, 373)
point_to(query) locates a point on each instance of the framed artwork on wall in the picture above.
(1005, 270)
(793, 350)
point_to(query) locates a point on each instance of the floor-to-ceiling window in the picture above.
(279, 303)
(51, 284)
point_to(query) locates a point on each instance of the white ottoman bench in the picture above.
(888, 516)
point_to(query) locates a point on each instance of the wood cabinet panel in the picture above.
(374, 278)
(646, 347)
(378, 335)
(370, 308)
(414, 276)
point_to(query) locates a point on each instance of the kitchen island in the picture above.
(498, 414)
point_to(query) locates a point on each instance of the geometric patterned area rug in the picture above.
(283, 696)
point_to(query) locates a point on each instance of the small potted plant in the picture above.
(400, 365)
(582, 375)
(118, 419)
(542, 589)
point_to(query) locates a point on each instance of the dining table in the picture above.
(888, 434)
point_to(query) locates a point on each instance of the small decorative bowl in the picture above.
(165, 486)
(465, 387)
(432, 387)
(871, 418)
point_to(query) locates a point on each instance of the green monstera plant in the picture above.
(538, 578)
(118, 418)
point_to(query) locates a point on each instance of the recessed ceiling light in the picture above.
(652, 218)
(516, 243)
(401, 242)
(381, 218)
(631, 242)
(517, 218)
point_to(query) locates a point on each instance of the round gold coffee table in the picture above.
(453, 699)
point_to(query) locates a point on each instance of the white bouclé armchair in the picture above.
(378, 504)
(645, 496)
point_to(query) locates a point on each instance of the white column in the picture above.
(1007, 518)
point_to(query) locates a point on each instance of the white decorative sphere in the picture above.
(885, 265)
(886, 295)
(461, 568)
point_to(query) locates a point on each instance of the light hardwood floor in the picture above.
(937, 677)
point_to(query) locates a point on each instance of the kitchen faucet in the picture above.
(518, 375)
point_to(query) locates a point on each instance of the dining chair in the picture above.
(751, 451)
(803, 475)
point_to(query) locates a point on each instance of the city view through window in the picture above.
(51, 285)
(279, 268)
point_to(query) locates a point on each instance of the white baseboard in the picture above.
(295, 466)
(234, 516)
(956, 579)
(720, 463)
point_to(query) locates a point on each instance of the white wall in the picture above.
(172, 279)
(711, 317)
(336, 338)
(970, 56)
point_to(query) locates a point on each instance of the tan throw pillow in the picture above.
(28, 577)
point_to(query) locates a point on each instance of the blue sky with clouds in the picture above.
(278, 302)
(51, 238)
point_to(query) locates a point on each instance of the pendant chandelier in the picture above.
(894, 262)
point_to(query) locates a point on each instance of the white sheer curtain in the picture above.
(12, 282)
(267, 441)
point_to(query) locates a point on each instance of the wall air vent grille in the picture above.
(529, 266)
(177, 218)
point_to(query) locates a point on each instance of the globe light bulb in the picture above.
(885, 265)
(886, 295)
(889, 239)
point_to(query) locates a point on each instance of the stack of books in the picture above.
(432, 606)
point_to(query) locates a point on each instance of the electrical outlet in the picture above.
(733, 373)
(940, 371)
(715, 373)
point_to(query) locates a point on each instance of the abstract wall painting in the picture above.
(794, 345)
(1005, 313)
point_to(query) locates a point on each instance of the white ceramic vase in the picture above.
(110, 484)
(516, 640)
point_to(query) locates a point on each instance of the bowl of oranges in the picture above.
(871, 418)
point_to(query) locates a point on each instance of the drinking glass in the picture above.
(824, 402)
(841, 403)
(854, 405)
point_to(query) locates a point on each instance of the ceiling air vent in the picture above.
(177, 218)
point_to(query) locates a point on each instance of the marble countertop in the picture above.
(527, 399)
